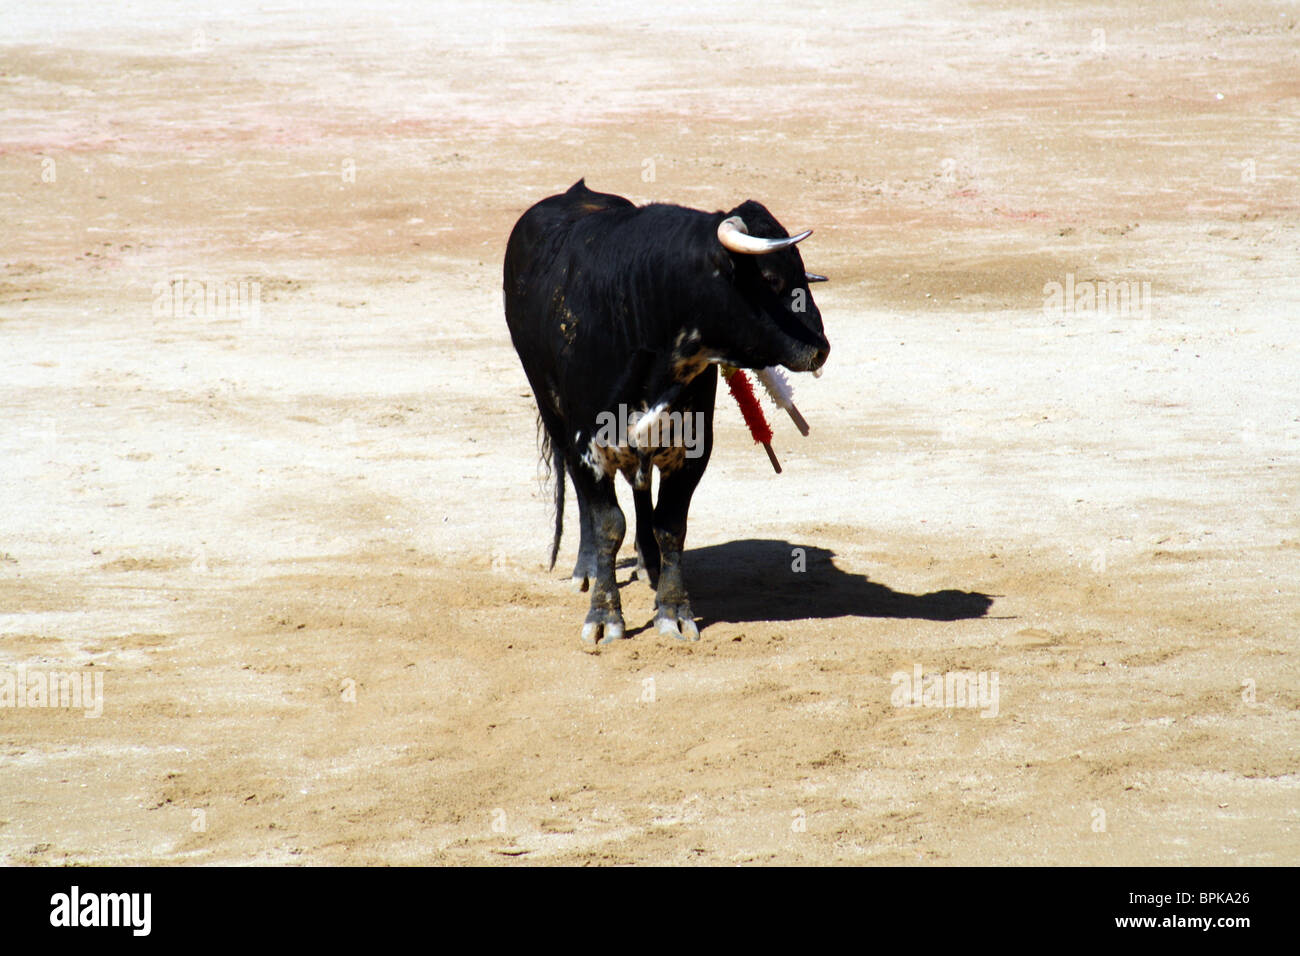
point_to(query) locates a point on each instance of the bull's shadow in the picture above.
(757, 579)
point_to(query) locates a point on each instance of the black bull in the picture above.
(621, 313)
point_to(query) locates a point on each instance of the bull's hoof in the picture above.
(602, 627)
(579, 583)
(677, 622)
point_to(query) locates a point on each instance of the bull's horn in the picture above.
(814, 277)
(735, 237)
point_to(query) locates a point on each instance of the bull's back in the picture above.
(538, 241)
(537, 289)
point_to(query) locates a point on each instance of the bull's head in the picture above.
(769, 317)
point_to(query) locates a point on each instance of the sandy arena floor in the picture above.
(304, 544)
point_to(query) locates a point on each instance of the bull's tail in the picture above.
(557, 458)
(553, 459)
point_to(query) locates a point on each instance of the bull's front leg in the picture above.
(673, 614)
(604, 622)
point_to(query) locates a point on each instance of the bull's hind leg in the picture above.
(647, 549)
(584, 569)
(604, 621)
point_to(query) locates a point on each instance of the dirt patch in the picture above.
(301, 535)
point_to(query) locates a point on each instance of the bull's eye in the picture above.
(775, 281)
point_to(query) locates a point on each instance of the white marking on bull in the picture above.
(652, 420)
(632, 440)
